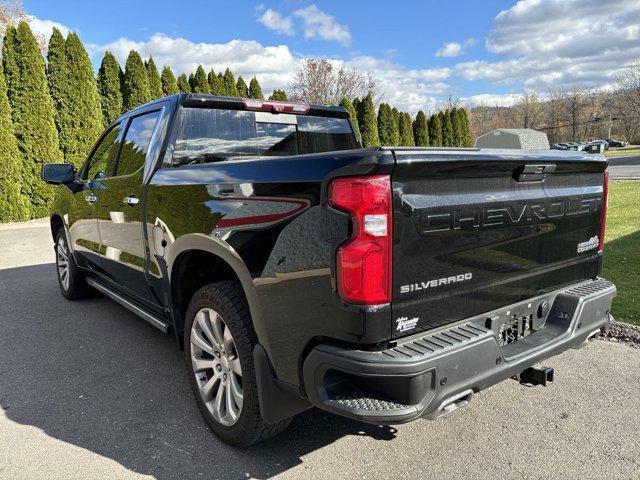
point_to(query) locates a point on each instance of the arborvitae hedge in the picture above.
(255, 91)
(279, 95)
(421, 130)
(168, 81)
(386, 125)
(352, 113)
(456, 123)
(183, 84)
(467, 137)
(155, 83)
(32, 113)
(14, 206)
(200, 83)
(109, 80)
(135, 88)
(406, 130)
(435, 131)
(447, 128)
(215, 85)
(230, 89)
(242, 88)
(83, 123)
(58, 78)
(368, 122)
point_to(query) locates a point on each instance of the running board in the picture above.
(157, 322)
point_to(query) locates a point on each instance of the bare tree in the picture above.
(322, 82)
(529, 110)
(628, 83)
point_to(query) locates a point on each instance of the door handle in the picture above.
(91, 198)
(131, 201)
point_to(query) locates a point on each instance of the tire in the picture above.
(218, 315)
(71, 279)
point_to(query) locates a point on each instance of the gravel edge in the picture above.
(623, 332)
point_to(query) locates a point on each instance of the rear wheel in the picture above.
(70, 278)
(219, 356)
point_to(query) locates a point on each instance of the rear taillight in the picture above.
(363, 263)
(603, 219)
(275, 106)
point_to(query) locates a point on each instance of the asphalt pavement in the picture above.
(624, 167)
(87, 390)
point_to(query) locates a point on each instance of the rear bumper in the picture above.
(424, 373)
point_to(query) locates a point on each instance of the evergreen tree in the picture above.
(168, 80)
(352, 113)
(58, 78)
(421, 130)
(192, 81)
(435, 131)
(215, 85)
(255, 91)
(368, 122)
(155, 83)
(183, 84)
(242, 88)
(230, 88)
(14, 206)
(279, 95)
(467, 137)
(200, 82)
(356, 104)
(80, 118)
(32, 113)
(135, 88)
(447, 128)
(406, 130)
(456, 123)
(386, 125)
(109, 80)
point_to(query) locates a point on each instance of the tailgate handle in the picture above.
(533, 173)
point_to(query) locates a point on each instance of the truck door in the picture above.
(119, 210)
(83, 224)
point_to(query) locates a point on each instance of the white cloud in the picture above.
(271, 64)
(45, 27)
(560, 43)
(275, 22)
(492, 100)
(406, 89)
(315, 24)
(320, 24)
(454, 49)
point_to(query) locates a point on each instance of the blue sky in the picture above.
(486, 51)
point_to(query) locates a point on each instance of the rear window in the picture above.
(214, 135)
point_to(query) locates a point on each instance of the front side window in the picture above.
(104, 157)
(136, 143)
(214, 135)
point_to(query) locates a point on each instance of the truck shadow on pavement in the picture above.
(92, 374)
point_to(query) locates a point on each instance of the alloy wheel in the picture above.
(216, 366)
(62, 260)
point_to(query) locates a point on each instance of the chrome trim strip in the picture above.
(155, 321)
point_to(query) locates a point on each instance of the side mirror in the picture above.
(57, 173)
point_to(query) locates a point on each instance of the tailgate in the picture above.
(475, 230)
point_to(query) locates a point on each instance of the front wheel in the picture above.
(219, 342)
(70, 278)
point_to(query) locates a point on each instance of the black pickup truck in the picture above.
(297, 269)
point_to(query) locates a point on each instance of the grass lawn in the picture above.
(615, 153)
(622, 249)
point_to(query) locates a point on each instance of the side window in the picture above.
(211, 135)
(136, 143)
(104, 158)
